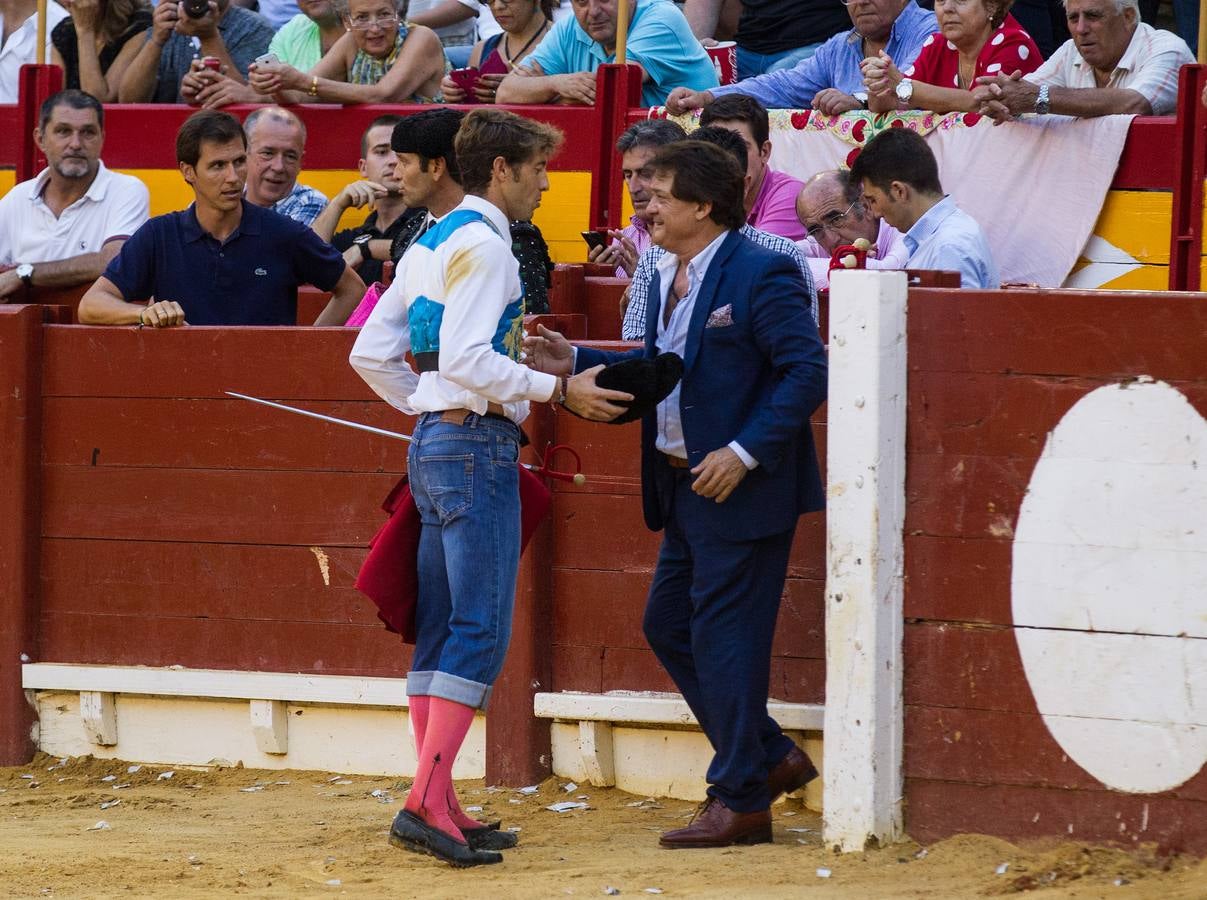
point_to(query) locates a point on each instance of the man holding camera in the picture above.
(179, 32)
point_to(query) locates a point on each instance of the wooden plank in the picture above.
(939, 809)
(219, 434)
(798, 680)
(626, 669)
(603, 307)
(1000, 748)
(1077, 334)
(955, 495)
(800, 631)
(958, 579)
(601, 531)
(599, 607)
(577, 668)
(1149, 158)
(966, 667)
(274, 363)
(1137, 223)
(306, 508)
(210, 643)
(236, 581)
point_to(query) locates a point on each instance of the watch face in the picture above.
(905, 90)
(25, 270)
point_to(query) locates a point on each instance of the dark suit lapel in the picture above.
(653, 309)
(706, 297)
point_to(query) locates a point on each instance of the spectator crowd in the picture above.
(256, 227)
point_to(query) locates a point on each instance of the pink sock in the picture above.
(447, 725)
(419, 708)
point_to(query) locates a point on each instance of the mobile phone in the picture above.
(466, 79)
(266, 59)
(595, 239)
(213, 63)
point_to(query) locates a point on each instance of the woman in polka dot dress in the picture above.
(976, 37)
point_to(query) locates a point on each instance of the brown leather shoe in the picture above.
(790, 774)
(716, 825)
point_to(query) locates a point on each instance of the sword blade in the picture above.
(359, 426)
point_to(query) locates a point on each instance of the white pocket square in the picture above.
(720, 317)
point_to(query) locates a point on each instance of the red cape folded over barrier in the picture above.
(390, 576)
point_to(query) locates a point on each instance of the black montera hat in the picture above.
(429, 133)
(650, 381)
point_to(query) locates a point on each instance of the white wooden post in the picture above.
(864, 519)
(98, 715)
(270, 725)
(599, 761)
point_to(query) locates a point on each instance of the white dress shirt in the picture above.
(114, 206)
(22, 47)
(474, 291)
(1149, 66)
(672, 338)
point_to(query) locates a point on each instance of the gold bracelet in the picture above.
(314, 86)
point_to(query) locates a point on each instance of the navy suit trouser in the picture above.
(710, 619)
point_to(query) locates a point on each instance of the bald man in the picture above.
(276, 142)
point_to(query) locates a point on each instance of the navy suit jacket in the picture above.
(755, 381)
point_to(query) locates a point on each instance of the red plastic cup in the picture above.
(466, 79)
(724, 56)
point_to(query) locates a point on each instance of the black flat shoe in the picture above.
(409, 832)
(489, 837)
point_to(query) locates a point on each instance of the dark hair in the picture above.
(739, 108)
(650, 133)
(898, 154)
(430, 135)
(207, 125)
(487, 134)
(725, 139)
(704, 173)
(389, 119)
(997, 10)
(74, 99)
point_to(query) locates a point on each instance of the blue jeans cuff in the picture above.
(448, 687)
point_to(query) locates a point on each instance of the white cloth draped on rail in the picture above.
(1036, 186)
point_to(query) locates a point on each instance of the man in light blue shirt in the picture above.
(562, 68)
(900, 181)
(829, 80)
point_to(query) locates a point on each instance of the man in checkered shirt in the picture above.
(633, 326)
(276, 140)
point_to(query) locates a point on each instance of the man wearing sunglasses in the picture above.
(831, 208)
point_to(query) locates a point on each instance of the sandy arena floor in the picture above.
(312, 834)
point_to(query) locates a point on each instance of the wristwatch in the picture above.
(362, 241)
(861, 97)
(25, 271)
(1042, 106)
(905, 90)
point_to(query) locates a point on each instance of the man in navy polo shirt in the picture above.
(222, 261)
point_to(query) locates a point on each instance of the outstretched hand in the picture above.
(548, 351)
(587, 399)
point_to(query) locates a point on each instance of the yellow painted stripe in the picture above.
(562, 216)
(1137, 222)
(1145, 278)
(8, 177)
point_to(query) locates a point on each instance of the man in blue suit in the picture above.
(728, 466)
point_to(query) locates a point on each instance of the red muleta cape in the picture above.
(390, 577)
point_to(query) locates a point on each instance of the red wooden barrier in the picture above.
(989, 376)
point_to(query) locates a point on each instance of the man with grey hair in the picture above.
(1113, 64)
(833, 212)
(276, 141)
(637, 147)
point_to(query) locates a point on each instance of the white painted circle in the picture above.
(1109, 586)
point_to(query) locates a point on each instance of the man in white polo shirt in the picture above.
(19, 39)
(62, 227)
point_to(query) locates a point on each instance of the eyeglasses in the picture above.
(830, 221)
(361, 23)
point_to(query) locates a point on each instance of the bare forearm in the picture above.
(347, 294)
(92, 80)
(74, 270)
(138, 84)
(328, 220)
(103, 305)
(1089, 102)
(527, 89)
(702, 16)
(940, 99)
(215, 46)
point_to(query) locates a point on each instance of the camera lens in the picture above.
(196, 9)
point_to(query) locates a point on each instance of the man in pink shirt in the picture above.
(636, 146)
(832, 212)
(771, 198)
